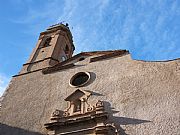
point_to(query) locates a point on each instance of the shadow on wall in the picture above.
(9, 130)
(121, 120)
(126, 121)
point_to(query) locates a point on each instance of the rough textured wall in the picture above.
(143, 97)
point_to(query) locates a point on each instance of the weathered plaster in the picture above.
(144, 96)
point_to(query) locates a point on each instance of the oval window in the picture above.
(80, 79)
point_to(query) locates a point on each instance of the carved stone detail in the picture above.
(90, 108)
(66, 114)
(56, 113)
(99, 104)
(87, 119)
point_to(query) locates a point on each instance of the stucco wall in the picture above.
(144, 96)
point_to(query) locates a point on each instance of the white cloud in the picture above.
(4, 80)
(144, 27)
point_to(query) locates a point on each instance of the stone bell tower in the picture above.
(54, 45)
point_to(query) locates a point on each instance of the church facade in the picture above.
(91, 93)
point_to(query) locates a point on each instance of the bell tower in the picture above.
(53, 46)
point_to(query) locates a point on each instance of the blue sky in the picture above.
(149, 29)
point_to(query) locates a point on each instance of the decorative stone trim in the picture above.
(57, 68)
(58, 123)
(78, 75)
(110, 55)
(104, 55)
(91, 121)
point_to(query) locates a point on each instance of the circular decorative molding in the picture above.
(66, 114)
(99, 104)
(89, 109)
(79, 79)
(56, 113)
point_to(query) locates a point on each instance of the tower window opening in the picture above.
(47, 41)
(66, 50)
(63, 58)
